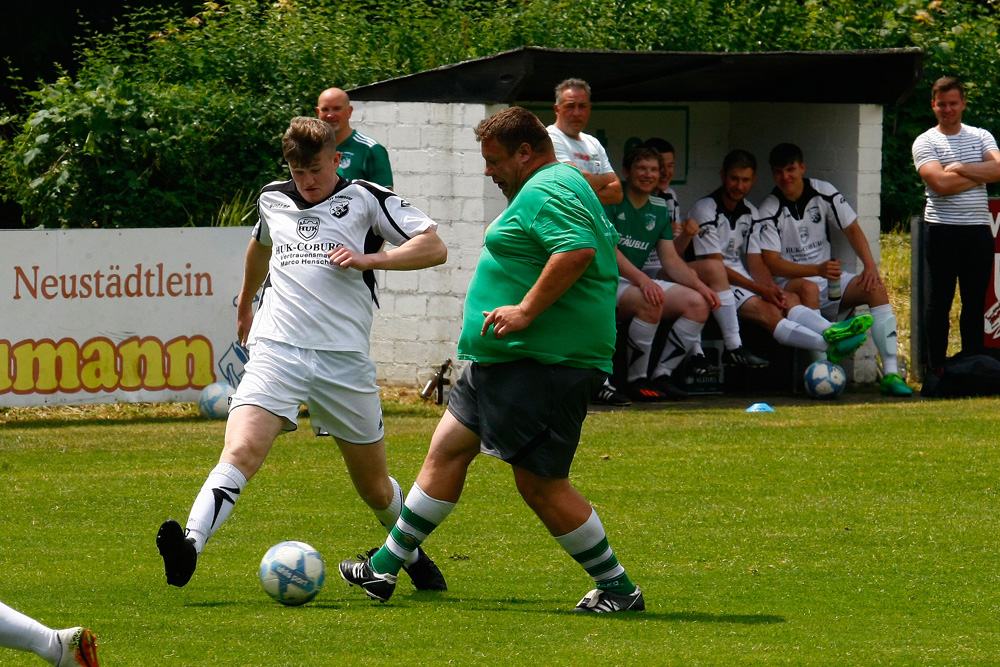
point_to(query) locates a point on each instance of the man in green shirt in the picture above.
(360, 155)
(643, 223)
(539, 334)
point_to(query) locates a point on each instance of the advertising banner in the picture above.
(991, 321)
(132, 315)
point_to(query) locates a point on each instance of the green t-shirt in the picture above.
(640, 229)
(555, 211)
(363, 157)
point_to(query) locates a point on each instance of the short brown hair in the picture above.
(571, 83)
(740, 159)
(946, 83)
(512, 127)
(306, 138)
(642, 153)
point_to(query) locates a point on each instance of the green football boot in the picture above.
(893, 385)
(842, 349)
(849, 327)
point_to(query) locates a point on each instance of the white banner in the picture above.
(104, 316)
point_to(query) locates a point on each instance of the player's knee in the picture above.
(377, 494)
(649, 312)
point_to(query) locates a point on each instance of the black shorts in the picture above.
(526, 413)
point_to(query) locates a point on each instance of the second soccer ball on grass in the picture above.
(824, 380)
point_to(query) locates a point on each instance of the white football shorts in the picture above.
(624, 284)
(338, 388)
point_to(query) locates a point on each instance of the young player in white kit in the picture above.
(315, 249)
(796, 219)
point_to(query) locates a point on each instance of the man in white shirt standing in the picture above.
(956, 161)
(576, 147)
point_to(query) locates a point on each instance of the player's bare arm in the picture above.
(681, 273)
(560, 272)
(651, 292)
(420, 252)
(769, 290)
(870, 278)
(254, 272)
(779, 266)
(684, 232)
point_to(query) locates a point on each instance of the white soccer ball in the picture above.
(292, 572)
(825, 380)
(214, 400)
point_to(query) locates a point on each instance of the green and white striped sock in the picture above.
(421, 514)
(588, 545)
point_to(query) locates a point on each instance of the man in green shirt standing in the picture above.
(361, 156)
(539, 334)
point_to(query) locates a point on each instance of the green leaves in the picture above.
(171, 118)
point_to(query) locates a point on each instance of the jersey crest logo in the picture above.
(650, 222)
(339, 208)
(814, 216)
(307, 228)
(803, 235)
(345, 160)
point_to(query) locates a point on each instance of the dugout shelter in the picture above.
(830, 103)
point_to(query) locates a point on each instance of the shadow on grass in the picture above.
(557, 607)
(97, 421)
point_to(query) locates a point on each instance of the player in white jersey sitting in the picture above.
(795, 245)
(315, 249)
(712, 239)
(725, 246)
(643, 225)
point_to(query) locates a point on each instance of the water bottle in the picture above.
(833, 288)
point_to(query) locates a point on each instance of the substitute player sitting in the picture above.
(315, 249)
(643, 224)
(724, 245)
(794, 239)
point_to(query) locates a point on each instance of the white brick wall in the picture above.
(437, 166)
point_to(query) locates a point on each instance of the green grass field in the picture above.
(857, 532)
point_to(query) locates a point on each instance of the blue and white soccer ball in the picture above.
(214, 400)
(292, 572)
(824, 380)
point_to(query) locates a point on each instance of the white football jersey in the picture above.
(799, 230)
(306, 301)
(725, 232)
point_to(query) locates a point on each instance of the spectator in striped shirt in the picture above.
(956, 161)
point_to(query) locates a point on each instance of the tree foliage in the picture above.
(170, 118)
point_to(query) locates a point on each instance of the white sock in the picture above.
(885, 337)
(809, 318)
(640, 340)
(729, 324)
(683, 336)
(390, 515)
(24, 633)
(214, 502)
(796, 335)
